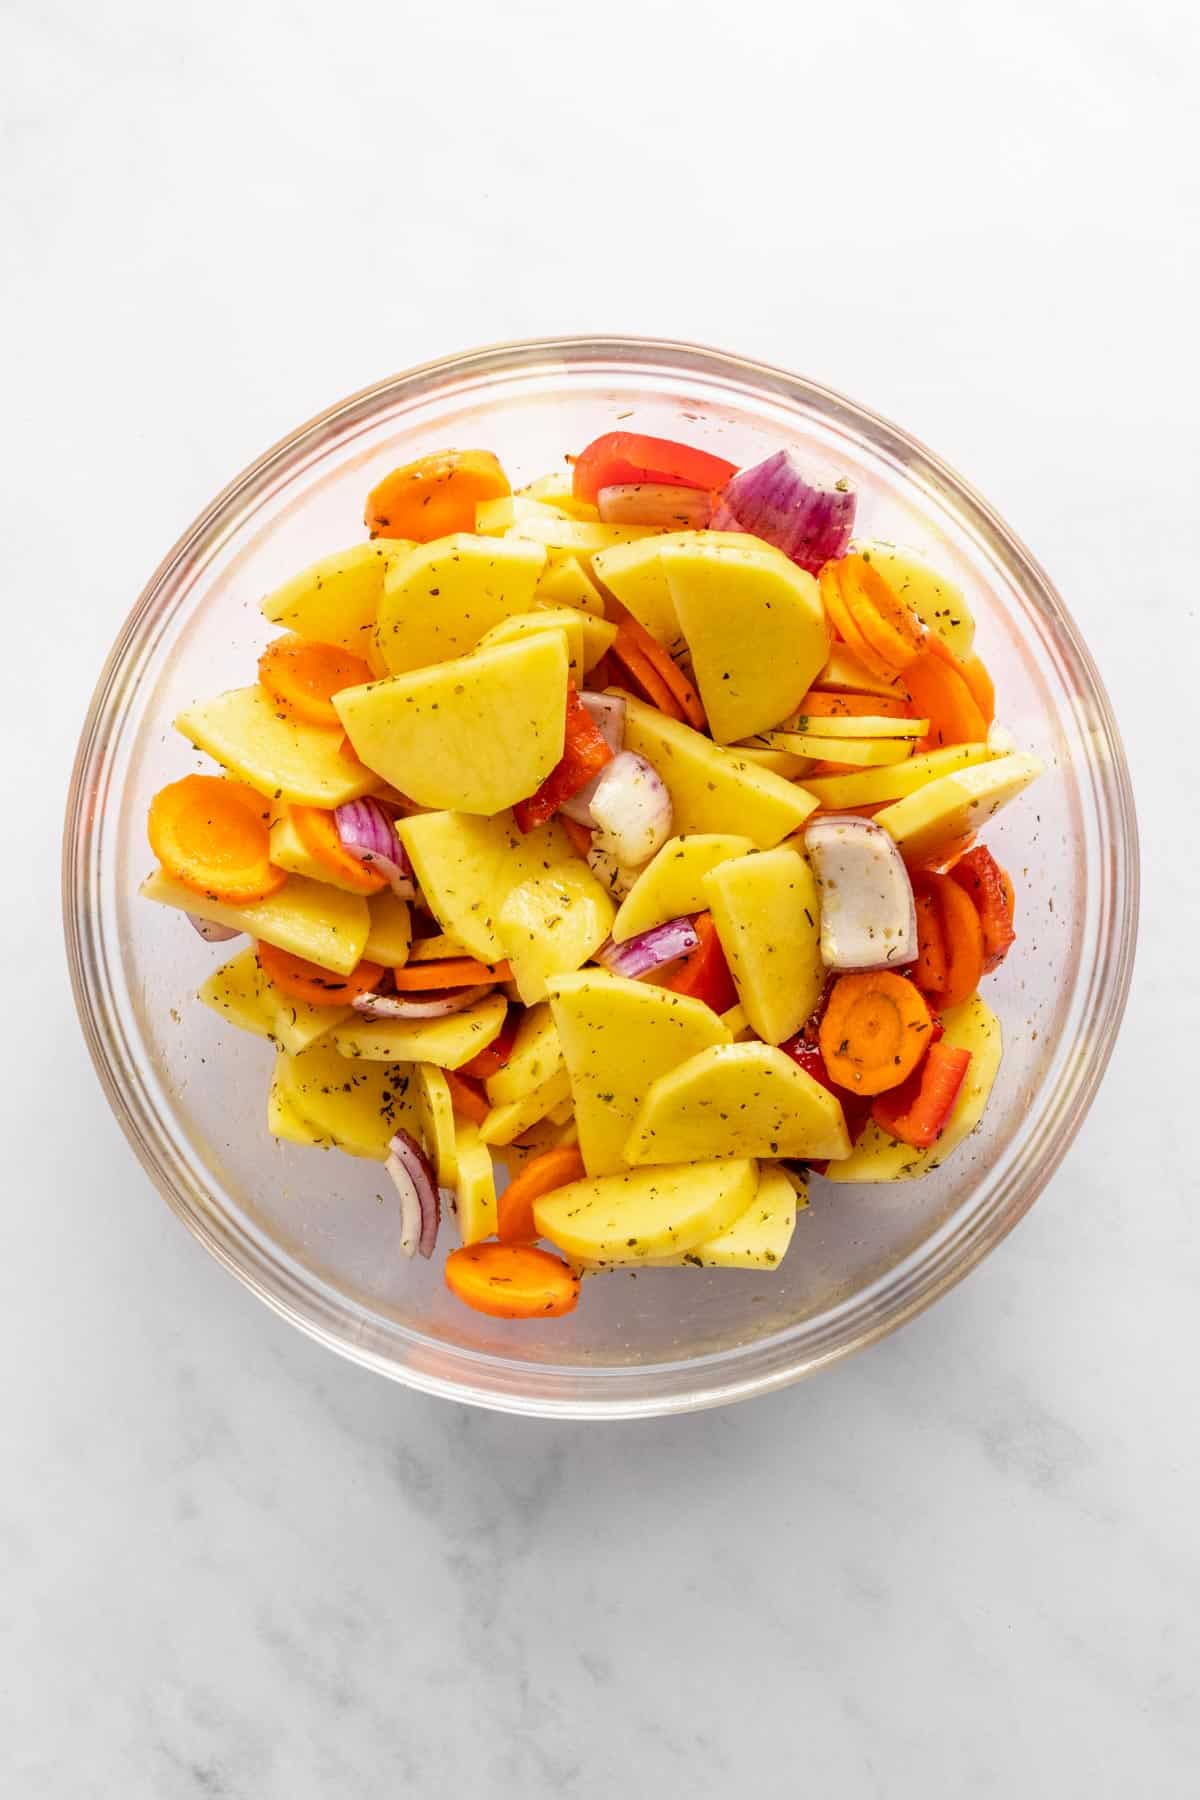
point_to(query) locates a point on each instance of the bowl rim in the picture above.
(1122, 874)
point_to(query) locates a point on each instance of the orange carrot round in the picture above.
(874, 1031)
(213, 836)
(963, 936)
(892, 630)
(435, 495)
(310, 983)
(843, 622)
(645, 675)
(664, 666)
(304, 676)
(468, 1100)
(932, 962)
(541, 1175)
(941, 695)
(318, 832)
(820, 704)
(451, 972)
(511, 1281)
(973, 671)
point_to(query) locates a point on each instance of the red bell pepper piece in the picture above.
(916, 1112)
(981, 876)
(704, 973)
(856, 1107)
(488, 1062)
(467, 1097)
(585, 753)
(622, 457)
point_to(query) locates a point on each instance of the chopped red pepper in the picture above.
(622, 457)
(981, 876)
(490, 1061)
(916, 1112)
(467, 1097)
(585, 753)
(704, 973)
(856, 1107)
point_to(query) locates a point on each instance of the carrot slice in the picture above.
(646, 677)
(820, 704)
(916, 1112)
(213, 836)
(941, 695)
(874, 1031)
(318, 832)
(963, 936)
(511, 1281)
(468, 1100)
(541, 1175)
(891, 628)
(435, 495)
(304, 676)
(843, 622)
(932, 962)
(991, 892)
(704, 974)
(486, 1063)
(451, 972)
(664, 665)
(309, 982)
(973, 671)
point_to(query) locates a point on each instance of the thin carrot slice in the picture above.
(489, 1062)
(213, 836)
(821, 704)
(916, 1112)
(580, 836)
(647, 678)
(318, 832)
(468, 1100)
(541, 1175)
(991, 892)
(892, 629)
(304, 676)
(309, 982)
(973, 671)
(435, 495)
(963, 938)
(663, 665)
(932, 962)
(451, 972)
(942, 696)
(874, 1031)
(843, 622)
(512, 1281)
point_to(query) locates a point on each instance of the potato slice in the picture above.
(505, 1123)
(972, 1026)
(494, 517)
(476, 734)
(564, 582)
(447, 1042)
(435, 1110)
(939, 604)
(550, 924)
(241, 993)
(390, 932)
(956, 804)
(673, 883)
(536, 1056)
(617, 1036)
(279, 756)
(359, 1109)
(758, 1239)
(864, 752)
(581, 537)
(769, 756)
(645, 1213)
(475, 1190)
(844, 673)
(634, 572)
(306, 918)
(868, 788)
(767, 912)
(561, 618)
(756, 628)
(440, 598)
(436, 949)
(467, 865)
(288, 851)
(283, 1121)
(335, 601)
(713, 789)
(736, 1100)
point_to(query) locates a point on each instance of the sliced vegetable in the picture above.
(645, 675)
(809, 521)
(845, 752)
(434, 496)
(957, 803)
(838, 793)
(511, 1281)
(916, 1112)
(321, 844)
(540, 1175)
(868, 920)
(449, 1042)
(309, 982)
(213, 836)
(736, 1100)
(642, 1213)
(305, 676)
(306, 917)
(835, 725)
(454, 972)
(622, 458)
(714, 789)
(489, 1062)
(961, 935)
(874, 1031)
(550, 925)
(939, 690)
(585, 754)
(669, 677)
(631, 810)
(335, 600)
(888, 626)
(475, 1188)
(766, 909)
(211, 933)
(277, 754)
(856, 1108)
(368, 835)
(655, 503)
(441, 598)
(420, 1206)
(650, 950)
(467, 1099)
(842, 619)
(991, 891)
(704, 974)
(376, 1005)
(838, 711)
(673, 883)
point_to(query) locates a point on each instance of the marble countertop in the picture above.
(967, 1562)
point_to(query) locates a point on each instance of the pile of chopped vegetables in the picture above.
(618, 835)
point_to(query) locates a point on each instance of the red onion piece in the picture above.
(429, 1006)
(868, 915)
(368, 833)
(631, 809)
(607, 713)
(808, 520)
(638, 956)
(420, 1203)
(210, 932)
(655, 503)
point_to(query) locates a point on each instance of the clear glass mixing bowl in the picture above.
(307, 1231)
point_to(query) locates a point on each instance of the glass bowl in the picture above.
(313, 1234)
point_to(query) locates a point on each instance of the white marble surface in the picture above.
(966, 1563)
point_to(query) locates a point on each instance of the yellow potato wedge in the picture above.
(536, 1056)
(956, 804)
(646, 1212)
(271, 751)
(466, 865)
(506, 1123)
(868, 753)
(335, 601)
(359, 1110)
(440, 598)
(475, 1190)
(767, 912)
(306, 918)
(448, 1042)
(736, 1100)
(672, 884)
(834, 792)
(390, 930)
(938, 602)
(551, 924)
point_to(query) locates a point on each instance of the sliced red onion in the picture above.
(631, 809)
(210, 932)
(655, 503)
(639, 955)
(607, 713)
(610, 873)
(809, 521)
(368, 833)
(429, 1006)
(868, 917)
(420, 1203)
